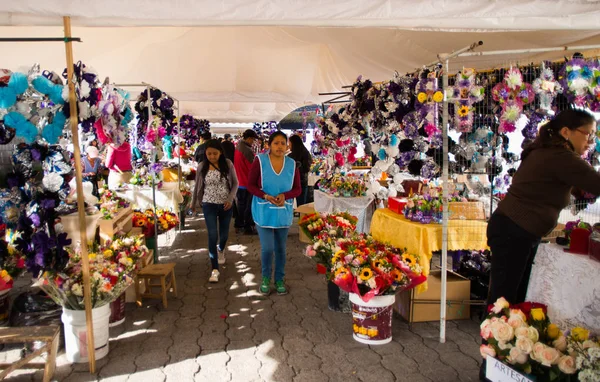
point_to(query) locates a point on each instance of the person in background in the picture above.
(274, 181)
(118, 162)
(91, 165)
(228, 148)
(303, 160)
(199, 153)
(550, 167)
(216, 187)
(244, 156)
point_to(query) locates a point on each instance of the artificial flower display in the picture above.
(523, 337)
(578, 79)
(512, 94)
(427, 208)
(546, 88)
(464, 94)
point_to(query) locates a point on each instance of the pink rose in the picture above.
(522, 331)
(485, 330)
(560, 343)
(516, 321)
(566, 364)
(536, 352)
(500, 304)
(549, 356)
(502, 331)
(524, 344)
(310, 252)
(487, 350)
(516, 356)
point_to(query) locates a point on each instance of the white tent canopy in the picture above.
(271, 58)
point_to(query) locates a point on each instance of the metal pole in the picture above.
(444, 258)
(179, 159)
(85, 265)
(152, 161)
(531, 50)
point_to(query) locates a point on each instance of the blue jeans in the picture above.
(272, 242)
(217, 231)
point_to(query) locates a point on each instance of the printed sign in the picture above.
(496, 371)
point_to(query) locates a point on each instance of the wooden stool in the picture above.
(156, 271)
(25, 334)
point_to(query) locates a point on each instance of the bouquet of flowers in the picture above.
(427, 208)
(369, 268)
(187, 197)
(586, 352)
(110, 203)
(356, 262)
(364, 161)
(523, 337)
(348, 186)
(166, 221)
(335, 225)
(110, 274)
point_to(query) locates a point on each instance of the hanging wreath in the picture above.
(512, 94)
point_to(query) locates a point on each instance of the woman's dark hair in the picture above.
(297, 146)
(275, 135)
(549, 134)
(223, 166)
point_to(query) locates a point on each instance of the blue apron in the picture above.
(264, 213)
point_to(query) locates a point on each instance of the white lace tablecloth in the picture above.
(167, 197)
(569, 285)
(362, 207)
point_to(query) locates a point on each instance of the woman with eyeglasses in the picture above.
(551, 166)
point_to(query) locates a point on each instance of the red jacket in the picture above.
(242, 163)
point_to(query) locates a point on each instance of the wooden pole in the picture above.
(85, 265)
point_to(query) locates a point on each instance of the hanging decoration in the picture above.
(512, 94)
(547, 88)
(577, 77)
(161, 106)
(115, 116)
(192, 128)
(88, 91)
(429, 97)
(464, 94)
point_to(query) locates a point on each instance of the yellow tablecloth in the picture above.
(424, 239)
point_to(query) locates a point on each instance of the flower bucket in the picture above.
(117, 311)
(76, 333)
(4, 305)
(372, 321)
(151, 243)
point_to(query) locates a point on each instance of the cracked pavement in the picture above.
(229, 332)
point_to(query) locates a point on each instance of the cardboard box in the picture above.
(304, 209)
(466, 211)
(425, 306)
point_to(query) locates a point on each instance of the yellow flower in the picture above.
(463, 111)
(341, 271)
(3, 274)
(422, 97)
(410, 259)
(438, 96)
(107, 253)
(366, 274)
(538, 314)
(553, 332)
(580, 334)
(92, 256)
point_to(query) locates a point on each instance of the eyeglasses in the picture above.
(591, 136)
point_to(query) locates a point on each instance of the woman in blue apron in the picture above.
(274, 183)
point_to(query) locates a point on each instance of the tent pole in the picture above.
(179, 180)
(532, 50)
(152, 161)
(85, 265)
(444, 258)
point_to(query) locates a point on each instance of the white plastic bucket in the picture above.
(76, 333)
(372, 321)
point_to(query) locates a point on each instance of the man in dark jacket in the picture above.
(228, 148)
(244, 156)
